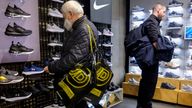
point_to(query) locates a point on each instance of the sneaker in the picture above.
(107, 32)
(172, 65)
(174, 24)
(54, 28)
(15, 12)
(166, 85)
(10, 79)
(108, 54)
(55, 13)
(136, 18)
(32, 69)
(133, 61)
(133, 81)
(3, 79)
(99, 33)
(19, 49)
(109, 63)
(171, 75)
(17, 31)
(175, 3)
(137, 9)
(12, 95)
(33, 90)
(42, 87)
(107, 44)
(8, 72)
(54, 42)
(59, 1)
(56, 56)
(187, 88)
(174, 35)
(23, 49)
(50, 84)
(175, 14)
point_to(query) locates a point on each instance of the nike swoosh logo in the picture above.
(97, 7)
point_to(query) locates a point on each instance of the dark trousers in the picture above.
(147, 85)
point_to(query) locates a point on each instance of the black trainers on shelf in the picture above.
(15, 12)
(166, 85)
(17, 30)
(33, 90)
(19, 49)
(12, 95)
(174, 2)
(42, 87)
(174, 35)
(174, 24)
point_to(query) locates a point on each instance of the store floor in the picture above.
(130, 102)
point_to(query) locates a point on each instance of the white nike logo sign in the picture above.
(97, 7)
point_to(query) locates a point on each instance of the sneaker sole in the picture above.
(55, 44)
(15, 98)
(32, 72)
(17, 34)
(13, 15)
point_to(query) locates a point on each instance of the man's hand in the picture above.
(46, 70)
(155, 45)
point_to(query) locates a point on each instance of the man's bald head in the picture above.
(159, 10)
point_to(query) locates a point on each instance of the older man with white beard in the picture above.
(76, 45)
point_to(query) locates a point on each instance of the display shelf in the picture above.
(185, 98)
(166, 95)
(135, 76)
(130, 89)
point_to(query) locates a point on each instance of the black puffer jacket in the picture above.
(152, 28)
(76, 47)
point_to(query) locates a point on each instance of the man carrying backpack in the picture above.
(148, 82)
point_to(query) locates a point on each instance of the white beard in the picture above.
(68, 24)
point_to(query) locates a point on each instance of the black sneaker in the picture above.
(15, 12)
(174, 24)
(12, 95)
(166, 85)
(33, 90)
(109, 54)
(19, 49)
(174, 35)
(42, 87)
(175, 14)
(175, 3)
(17, 31)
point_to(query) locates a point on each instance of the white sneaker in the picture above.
(54, 43)
(54, 28)
(59, 1)
(99, 33)
(133, 81)
(186, 88)
(109, 63)
(107, 44)
(54, 13)
(107, 32)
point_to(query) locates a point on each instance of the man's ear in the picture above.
(70, 16)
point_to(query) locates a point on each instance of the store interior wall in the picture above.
(118, 28)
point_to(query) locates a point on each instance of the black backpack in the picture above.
(132, 38)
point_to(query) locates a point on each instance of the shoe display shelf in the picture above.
(167, 95)
(176, 96)
(130, 88)
(184, 97)
(112, 98)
